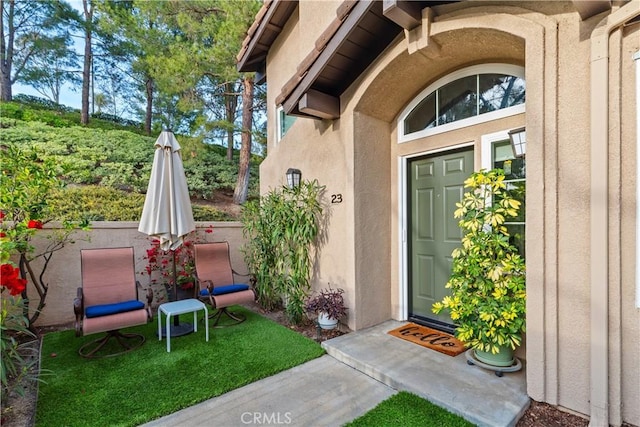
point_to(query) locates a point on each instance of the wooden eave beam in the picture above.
(589, 8)
(263, 23)
(318, 104)
(291, 98)
(406, 14)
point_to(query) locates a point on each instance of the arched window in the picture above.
(472, 95)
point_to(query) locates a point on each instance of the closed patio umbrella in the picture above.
(167, 211)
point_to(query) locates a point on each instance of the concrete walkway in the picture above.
(361, 370)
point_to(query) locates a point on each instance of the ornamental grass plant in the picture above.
(488, 296)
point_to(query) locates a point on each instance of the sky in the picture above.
(67, 96)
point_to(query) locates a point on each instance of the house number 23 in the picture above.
(336, 198)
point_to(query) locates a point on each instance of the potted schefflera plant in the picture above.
(488, 295)
(329, 305)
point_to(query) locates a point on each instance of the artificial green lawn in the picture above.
(148, 383)
(408, 410)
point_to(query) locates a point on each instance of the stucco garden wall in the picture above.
(63, 272)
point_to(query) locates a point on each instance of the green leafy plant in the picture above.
(91, 160)
(281, 230)
(14, 366)
(329, 301)
(25, 183)
(488, 297)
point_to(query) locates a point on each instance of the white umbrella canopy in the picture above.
(167, 212)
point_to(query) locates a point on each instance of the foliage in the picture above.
(49, 69)
(160, 263)
(94, 203)
(488, 299)
(30, 29)
(25, 182)
(281, 230)
(39, 103)
(329, 301)
(121, 160)
(13, 324)
(33, 109)
(116, 119)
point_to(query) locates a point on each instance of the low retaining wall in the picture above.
(63, 272)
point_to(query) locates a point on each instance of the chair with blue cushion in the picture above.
(108, 301)
(217, 286)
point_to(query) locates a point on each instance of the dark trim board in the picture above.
(432, 323)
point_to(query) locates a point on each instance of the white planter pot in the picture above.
(325, 322)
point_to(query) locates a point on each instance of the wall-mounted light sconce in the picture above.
(518, 139)
(293, 177)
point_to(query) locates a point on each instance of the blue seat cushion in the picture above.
(107, 309)
(227, 289)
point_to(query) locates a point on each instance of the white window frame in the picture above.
(497, 68)
(278, 132)
(403, 226)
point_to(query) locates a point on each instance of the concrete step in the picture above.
(474, 393)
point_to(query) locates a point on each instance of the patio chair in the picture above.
(108, 301)
(217, 287)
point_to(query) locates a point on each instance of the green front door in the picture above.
(436, 184)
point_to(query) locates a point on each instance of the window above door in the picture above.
(466, 97)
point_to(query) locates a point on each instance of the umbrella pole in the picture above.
(176, 320)
(175, 275)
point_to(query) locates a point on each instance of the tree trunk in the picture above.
(242, 185)
(231, 103)
(5, 83)
(149, 112)
(6, 51)
(86, 71)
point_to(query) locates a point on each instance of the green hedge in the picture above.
(107, 204)
(109, 155)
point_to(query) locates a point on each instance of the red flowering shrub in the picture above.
(159, 266)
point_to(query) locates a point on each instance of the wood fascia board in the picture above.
(588, 8)
(404, 13)
(290, 101)
(255, 33)
(318, 104)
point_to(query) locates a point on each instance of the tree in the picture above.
(242, 185)
(50, 69)
(136, 33)
(87, 7)
(199, 66)
(29, 29)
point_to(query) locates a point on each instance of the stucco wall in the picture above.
(63, 272)
(322, 150)
(349, 155)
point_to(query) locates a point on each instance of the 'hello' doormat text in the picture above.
(430, 338)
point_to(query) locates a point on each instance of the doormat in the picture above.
(430, 338)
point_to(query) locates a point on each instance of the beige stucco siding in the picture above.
(572, 300)
(359, 157)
